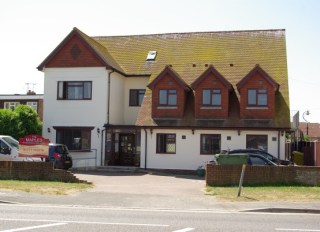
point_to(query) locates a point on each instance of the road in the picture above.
(45, 218)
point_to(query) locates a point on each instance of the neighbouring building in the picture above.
(166, 101)
(10, 101)
(310, 130)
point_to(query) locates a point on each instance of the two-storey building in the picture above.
(166, 101)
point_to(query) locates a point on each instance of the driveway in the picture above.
(147, 190)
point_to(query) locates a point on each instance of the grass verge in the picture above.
(44, 187)
(266, 193)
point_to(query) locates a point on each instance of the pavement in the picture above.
(149, 190)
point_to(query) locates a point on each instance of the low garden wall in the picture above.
(34, 171)
(229, 175)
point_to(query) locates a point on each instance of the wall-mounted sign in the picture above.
(33, 146)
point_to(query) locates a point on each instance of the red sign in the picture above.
(33, 146)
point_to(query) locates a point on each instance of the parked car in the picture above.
(262, 153)
(9, 150)
(242, 158)
(59, 156)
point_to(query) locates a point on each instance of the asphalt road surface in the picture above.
(45, 218)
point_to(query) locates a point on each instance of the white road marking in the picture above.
(184, 230)
(301, 230)
(84, 222)
(33, 227)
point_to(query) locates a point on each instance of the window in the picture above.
(34, 105)
(210, 144)
(255, 160)
(11, 105)
(168, 97)
(257, 97)
(211, 97)
(257, 141)
(74, 90)
(136, 97)
(76, 138)
(166, 143)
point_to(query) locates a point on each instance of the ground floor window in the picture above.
(166, 143)
(210, 144)
(257, 141)
(76, 138)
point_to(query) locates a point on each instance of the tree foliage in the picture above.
(21, 121)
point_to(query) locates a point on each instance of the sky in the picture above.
(31, 30)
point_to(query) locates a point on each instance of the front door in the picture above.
(127, 149)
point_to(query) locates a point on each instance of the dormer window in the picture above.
(257, 97)
(168, 97)
(211, 97)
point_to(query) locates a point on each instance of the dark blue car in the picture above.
(59, 156)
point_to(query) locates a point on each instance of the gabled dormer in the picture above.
(211, 95)
(257, 95)
(168, 94)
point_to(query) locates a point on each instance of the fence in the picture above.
(311, 151)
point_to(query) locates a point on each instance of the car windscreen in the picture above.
(12, 142)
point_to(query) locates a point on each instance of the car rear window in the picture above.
(61, 150)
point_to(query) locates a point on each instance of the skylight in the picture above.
(151, 55)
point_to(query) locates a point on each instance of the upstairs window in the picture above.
(74, 90)
(136, 97)
(11, 105)
(257, 97)
(211, 97)
(168, 97)
(166, 143)
(34, 105)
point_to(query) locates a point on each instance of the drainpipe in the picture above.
(108, 107)
(278, 144)
(102, 132)
(145, 149)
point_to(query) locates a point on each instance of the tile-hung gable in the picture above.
(233, 54)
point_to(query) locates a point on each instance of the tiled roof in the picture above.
(232, 53)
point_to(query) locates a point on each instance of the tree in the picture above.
(21, 121)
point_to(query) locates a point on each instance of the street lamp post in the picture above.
(303, 116)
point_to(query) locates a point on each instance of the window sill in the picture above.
(257, 108)
(167, 107)
(211, 108)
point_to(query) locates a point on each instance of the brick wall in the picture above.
(34, 171)
(167, 82)
(211, 82)
(257, 82)
(229, 175)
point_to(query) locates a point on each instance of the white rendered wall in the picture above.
(131, 112)
(188, 156)
(79, 113)
(116, 99)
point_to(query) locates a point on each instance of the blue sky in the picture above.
(31, 29)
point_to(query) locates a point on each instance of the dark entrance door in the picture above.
(127, 149)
